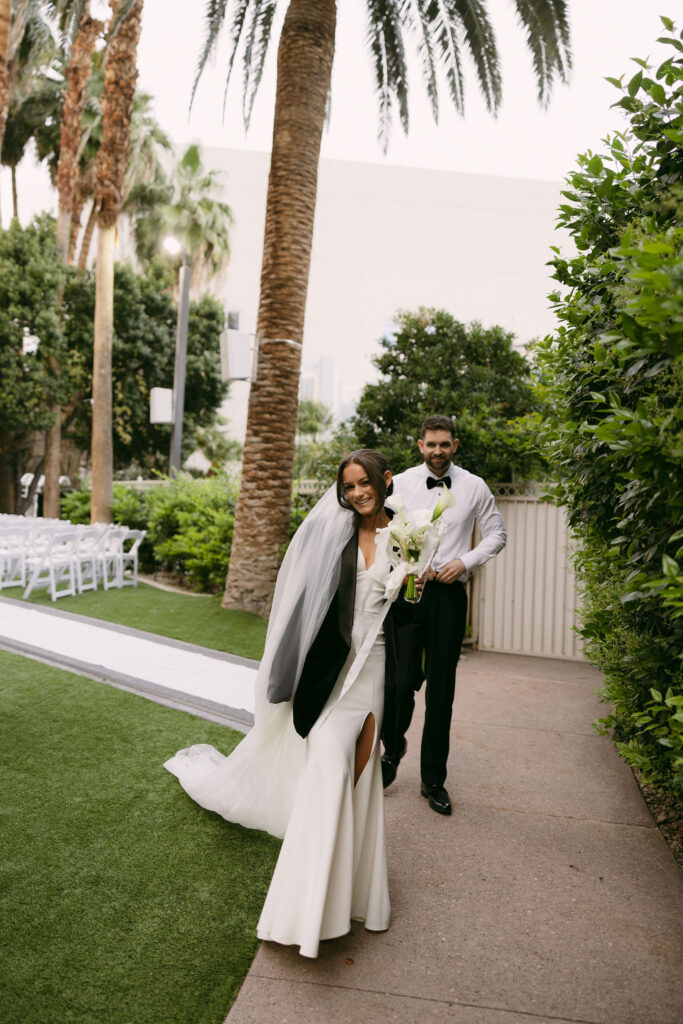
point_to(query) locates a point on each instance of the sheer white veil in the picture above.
(306, 583)
(256, 784)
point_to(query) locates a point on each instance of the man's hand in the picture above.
(449, 573)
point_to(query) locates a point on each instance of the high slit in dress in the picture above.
(332, 864)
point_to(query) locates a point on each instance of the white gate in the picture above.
(524, 601)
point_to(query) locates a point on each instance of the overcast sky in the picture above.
(523, 142)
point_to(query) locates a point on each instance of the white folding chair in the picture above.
(129, 557)
(13, 554)
(109, 558)
(54, 565)
(89, 544)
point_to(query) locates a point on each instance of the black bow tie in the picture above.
(433, 482)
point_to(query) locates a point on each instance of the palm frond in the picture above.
(67, 15)
(238, 20)
(122, 12)
(185, 203)
(420, 21)
(30, 38)
(546, 26)
(385, 41)
(215, 16)
(446, 42)
(481, 42)
(263, 13)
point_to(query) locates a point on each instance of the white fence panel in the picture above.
(525, 600)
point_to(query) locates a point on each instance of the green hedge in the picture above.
(614, 374)
(189, 525)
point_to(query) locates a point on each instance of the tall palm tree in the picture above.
(5, 27)
(78, 74)
(26, 119)
(80, 32)
(443, 30)
(147, 140)
(26, 46)
(120, 77)
(183, 203)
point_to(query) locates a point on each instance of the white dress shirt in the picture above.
(474, 503)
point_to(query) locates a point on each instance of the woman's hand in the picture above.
(419, 582)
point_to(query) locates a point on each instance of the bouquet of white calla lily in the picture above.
(411, 540)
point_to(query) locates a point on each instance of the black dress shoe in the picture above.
(389, 770)
(390, 766)
(439, 799)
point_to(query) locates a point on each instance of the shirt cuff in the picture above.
(470, 566)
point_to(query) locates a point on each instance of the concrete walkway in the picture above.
(548, 896)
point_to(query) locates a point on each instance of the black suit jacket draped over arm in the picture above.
(331, 646)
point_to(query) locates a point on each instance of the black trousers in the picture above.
(434, 627)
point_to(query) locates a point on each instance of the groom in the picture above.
(435, 626)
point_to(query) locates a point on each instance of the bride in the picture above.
(309, 769)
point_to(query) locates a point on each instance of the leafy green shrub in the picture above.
(189, 525)
(75, 506)
(614, 374)
(190, 528)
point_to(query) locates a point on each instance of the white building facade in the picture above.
(389, 238)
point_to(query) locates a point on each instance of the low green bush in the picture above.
(75, 506)
(189, 525)
(190, 528)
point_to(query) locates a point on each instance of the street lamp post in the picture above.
(174, 247)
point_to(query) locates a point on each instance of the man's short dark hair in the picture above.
(438, 423)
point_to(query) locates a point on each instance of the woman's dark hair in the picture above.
(375, 465)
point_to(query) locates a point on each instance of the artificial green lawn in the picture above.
(122, 900)
(195, 619)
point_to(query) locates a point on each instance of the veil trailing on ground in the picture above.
(255, 785)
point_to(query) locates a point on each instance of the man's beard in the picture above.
(440, 467)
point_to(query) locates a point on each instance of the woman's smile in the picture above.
(359, 491)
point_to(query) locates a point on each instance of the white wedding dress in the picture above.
(332, 865)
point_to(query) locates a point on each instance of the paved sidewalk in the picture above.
(548, 896)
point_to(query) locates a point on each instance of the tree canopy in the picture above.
(433, 364)
(142, 358)
(312, 418)
(185, 204)
(36, 332)
(31, 340)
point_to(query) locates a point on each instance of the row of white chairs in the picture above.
(64, 558)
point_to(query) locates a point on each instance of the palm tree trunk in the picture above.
(102, 442)
(120, 77)
(75, 227)
(51, 466)
(5, 23)
(305, 56)
(15, 196)
(7, 486)
(75, 95)
(86, 241)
